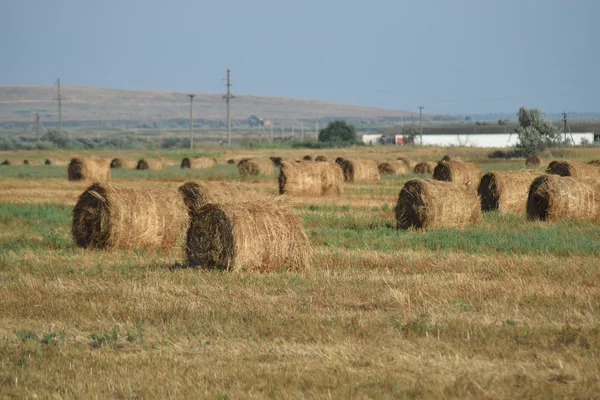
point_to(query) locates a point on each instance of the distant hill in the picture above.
(19, 104)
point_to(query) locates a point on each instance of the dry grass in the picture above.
(360, 170)
(198, 162)
(458, 172)
(317, 179)
(88, 169)
(506, 191)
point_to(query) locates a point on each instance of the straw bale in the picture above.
(505, 191)
(88, 168)
(594, 162)
(322, 178)
(199, 193)
(397, 167)
(123, 163)
(339, 160)
(32, 162)
(448, 157)
(109, 217)
(321, 158)
(198, 163)
(231, 161)
(457, 172)
(150, 163)
(12, 162)
(427, 204)
(575, 169)
(255, 166)
(533, 160)
(276, 160)
(247, 235)
(55, 161)
(425, 167)
(307, 158)
(409, 163)
(554, 197)
(357, 170)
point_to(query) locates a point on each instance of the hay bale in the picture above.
(575, 169)
(167, 162)
(150, 163)
(554, 197)
(276, 160)
(231, 161)
(199, 193)
(533, 160)
(123, 163)
(252, 235)
(322, 178)
(12, 162)
(255, 166)
(505, 191)
(397, 167)
(448, 158)
(427, 204)
(307, 158)
(321, 159)
(55, 161)
(356, 170)
(425, 167)
(594, 162)
(339, 160)
(198, 163)
(88, 168)
(109, 217)
(457, 172)
(409, 163)
(32, 162)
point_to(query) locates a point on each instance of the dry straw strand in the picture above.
(255, 166)
(357, 170)
(150, 163)
(397, 167)
(109, 217)
(322, 178)
(457, 172)
(425, 167)
(123, 163)
(253, 235)
(88, 168)
(505, 191)
(198, 162)
(426, 204)
(575, 169)
(199, 193)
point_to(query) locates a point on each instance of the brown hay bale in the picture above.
(505, 191)
(167, 162)
(198, 163)
(255, 166)
(575, 169)
(199, 193)
(457, 172)
(276, 160)
(409, 163)
(54, 161)
(322, 178)
(150, 163)
(533, 160)
(231, 161)
(307, 158)
(252, 235)
(32, 162)
(88, 168)
(554, 197)
(594, 162)
(448, 158)
(109, 217)
(425, 167)
(397, 167)
(12, 162)
(123, 163)
(427, 204)
(356, 170)
(321, 159)
(339, 160)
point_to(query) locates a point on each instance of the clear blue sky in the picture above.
(450, 56)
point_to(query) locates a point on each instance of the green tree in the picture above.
(535, 133)
(338, 132)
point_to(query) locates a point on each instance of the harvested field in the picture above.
(316, 179)
(506, 191)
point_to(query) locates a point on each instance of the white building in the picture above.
(486, 139)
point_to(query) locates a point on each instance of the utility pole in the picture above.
(421, 122)
(302, 127)
(228, 98)
(191, 96)
(59, 108)
(37, 125)
(566, 127)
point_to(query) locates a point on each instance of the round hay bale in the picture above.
(88, 168)
(594, 162)
(448, 158)
(554, 197)
(506, 191)
(427, 204)
(123, 163)
(339, 160)
(32, 162)
(255, 166)
(409, 163)
(356, 170)
(199, 193)
(322, 178)
(307, 158)
(198, 163)
(533, 160)
(167, 162)
(108, 217)
(56, 162)
(575, 169)
(397, 167)
(12, 162)
(252, 235)
(231, 161)
(321, 159)
(276, 160)
(425, 167)
(150, 163)
(457, 172)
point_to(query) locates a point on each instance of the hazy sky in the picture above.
(450, 56)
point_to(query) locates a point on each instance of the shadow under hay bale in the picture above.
(198, 163)
(252, 235)
(322, 178)
(108, 217)
(397, 167)
(123, 163)
(199, 193)
(553, 197)
(307, 158)
(150, 163)
(533, 160)
(88, 168)
(409, 163)
(506, 191)
(427, 204)
(339, 160)
(425, 167)
(458, 172)
(55, 162)
(356, 170)
(321, 159)
(575, 169)
(255, 166)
